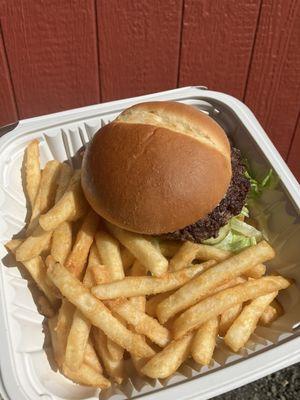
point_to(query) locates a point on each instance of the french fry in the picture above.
(166, 362)
(169, 248)
(153, 302)
(207, 252)
(139, 302)
(32, 171)
(63, 181)
(77, 342)
(255, 272)
(113, 368)
(227, 284)
(132, 286)
(62, 235)
(56, 344)
(271, 313)
(100, 274)
(142, 249)
(44, 306)
(204, 341)
(13, 244)
(76, 260)
(137, 269)
(96, 272)
(33, 245)
(38, 272)
(90, 357)
(61, 242)
(87, 376)
(76, 336)
(110, 255)
(116, 351)
(245, 324)
(215, 305)
(127, 258)
(228, 317)
(184, 256)
(109, 251)
(142, 323)
(200, 286)
(96, 311)
(46, 194)
(70, 207)
(63, 326)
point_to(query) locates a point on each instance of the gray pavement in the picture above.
(282, 385)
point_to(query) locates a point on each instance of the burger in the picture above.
(166, 169)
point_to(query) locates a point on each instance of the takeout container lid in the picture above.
(25, 372)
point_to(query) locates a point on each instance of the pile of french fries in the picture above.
(110, 295)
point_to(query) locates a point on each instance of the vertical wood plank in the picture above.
(273, 91)
(217, 43)
(52, 53)
(294, 154)
(8, 112)
(138, 46)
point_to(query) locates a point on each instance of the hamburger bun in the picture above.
(157, 168)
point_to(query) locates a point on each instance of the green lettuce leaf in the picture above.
(258, 186)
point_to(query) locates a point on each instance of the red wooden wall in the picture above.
(56, 55)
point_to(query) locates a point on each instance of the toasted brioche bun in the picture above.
(159, 167)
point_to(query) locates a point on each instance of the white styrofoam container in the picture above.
(25, 370)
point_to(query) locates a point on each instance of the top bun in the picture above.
(157, 168)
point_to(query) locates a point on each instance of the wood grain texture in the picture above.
(52, 53)
(273, 90)
(294, 154)
(8, 112)
(138, 46)
(217, 43)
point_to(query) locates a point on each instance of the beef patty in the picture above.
(229, 206)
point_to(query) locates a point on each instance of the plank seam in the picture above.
(292, 16)
(180, 41)
(293, 137)
(252, 50)
(9, 72)
(98, 51)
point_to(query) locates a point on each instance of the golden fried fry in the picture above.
(63, 181)
(77, 259)
(132, 286)
(166, 362)
(228, 317)
(109, 251)
(245, 324)
(201, 286)
(32, 171)
(70, 207)
(95, 310)
(184, 256)
(142, 249)
(61, 242)
(204, 341)
(215, 305)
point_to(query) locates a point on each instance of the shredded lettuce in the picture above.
(235, 242)
(240, 236)
(237, 234)
(257, 187)
(245, 229)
